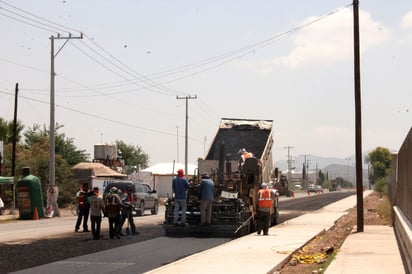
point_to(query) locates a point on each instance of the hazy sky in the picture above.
(286, 61)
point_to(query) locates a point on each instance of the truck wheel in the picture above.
(155, 209)
(142, 210)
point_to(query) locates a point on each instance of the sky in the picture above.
(287, 61)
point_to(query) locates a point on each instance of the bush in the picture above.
(381, 186)
(384, 209)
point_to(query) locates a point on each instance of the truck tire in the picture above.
(141, 211)
(155, 210)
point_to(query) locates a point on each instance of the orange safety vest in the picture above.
(265, 198)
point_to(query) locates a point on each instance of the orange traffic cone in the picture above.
(35, 214)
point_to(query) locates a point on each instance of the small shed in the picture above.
(85, 172)
(161, 175)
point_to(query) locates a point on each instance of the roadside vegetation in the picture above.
(32, 150)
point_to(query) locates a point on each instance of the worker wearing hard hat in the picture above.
(244, 154)
(266, 196)
(113, 212)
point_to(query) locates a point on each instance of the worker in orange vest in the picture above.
(266, 196)
(244, 154)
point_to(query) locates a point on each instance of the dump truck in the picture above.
(236, 184)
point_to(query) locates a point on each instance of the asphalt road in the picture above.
(302, 203)
(29, 229)
(160, 250)
(19, 230)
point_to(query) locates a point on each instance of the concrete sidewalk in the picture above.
(375, 250)
(372, 251)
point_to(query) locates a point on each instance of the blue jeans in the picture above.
(180, 205)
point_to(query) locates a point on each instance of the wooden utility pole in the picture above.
(358, 120)
(186, 126)
(13, 154)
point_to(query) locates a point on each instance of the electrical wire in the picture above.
(208, 64)
(64, 28)
(99, 117)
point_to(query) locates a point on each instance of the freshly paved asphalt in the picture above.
(373, 251)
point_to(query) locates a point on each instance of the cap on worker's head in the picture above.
(242, 150)
(113, 189)
(264, 185)
(180, 173)
(205, 175)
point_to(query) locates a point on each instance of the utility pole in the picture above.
(177, 144)
(186, 126)
(13, 154)
(306, 164)
(358, 118)
(289, 162)
(52, 193)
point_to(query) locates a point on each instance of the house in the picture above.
(160, 176)
(95, 174)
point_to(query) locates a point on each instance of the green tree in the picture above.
(321, 178)
(134, 157)
(380, 160)
(64, 146)
(6, 131)
(34, 153)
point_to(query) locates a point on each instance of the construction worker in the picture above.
(96, 210)
(127, 212)
(266, 196)
(206, 191)
(180, 185)
(83, 205)
(113, 212)
(244, 155)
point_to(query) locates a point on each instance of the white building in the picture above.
(160, 176)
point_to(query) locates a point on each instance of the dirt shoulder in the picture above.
(317, 254)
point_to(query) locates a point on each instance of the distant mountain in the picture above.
(334, 167)
(314, 162)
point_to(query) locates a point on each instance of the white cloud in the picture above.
(406, 22)
(331, 40)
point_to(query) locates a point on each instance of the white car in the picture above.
(297, 186)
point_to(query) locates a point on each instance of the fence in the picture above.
(400, 191)
(400, 187)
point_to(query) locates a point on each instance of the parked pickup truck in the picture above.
(144, 198)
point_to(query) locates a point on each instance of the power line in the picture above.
(64, 28)
(100, 117)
